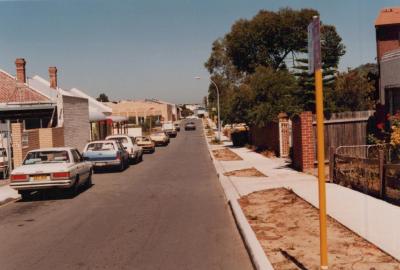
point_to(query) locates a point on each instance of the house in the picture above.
(19, 102)
(387, 26)
(72, 110)
(40, 113)
(99, 116)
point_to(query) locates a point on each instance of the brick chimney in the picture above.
(20, 64)
(53, 77)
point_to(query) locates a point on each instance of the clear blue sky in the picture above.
(152, 49)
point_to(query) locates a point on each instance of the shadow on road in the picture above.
(53, 195)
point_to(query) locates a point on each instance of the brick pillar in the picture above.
(303, 142)
(284, 135)
(16, 136)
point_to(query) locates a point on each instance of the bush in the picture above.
(240, 137)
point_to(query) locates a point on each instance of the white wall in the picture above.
(76, 121)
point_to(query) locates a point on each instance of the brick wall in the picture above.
(303, 142)
(51, 137)
(20, 148)
(24, 141)
(387, 39)
(76, 122)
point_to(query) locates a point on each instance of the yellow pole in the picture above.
(321, 168)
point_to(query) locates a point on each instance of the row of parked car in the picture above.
(66, 168)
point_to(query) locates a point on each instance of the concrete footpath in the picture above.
(375, 220)
(8, 194)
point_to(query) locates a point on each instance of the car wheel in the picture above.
(121, 166)
(141, 157)
(89, 181)
(25, 194)
(73, 191)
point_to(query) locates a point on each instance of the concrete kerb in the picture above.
(255, 250)
(8, 195)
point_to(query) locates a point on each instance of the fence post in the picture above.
(382, 173)
(331, 163)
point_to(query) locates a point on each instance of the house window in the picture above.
(25, 140)
(393, 100)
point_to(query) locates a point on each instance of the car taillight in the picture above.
(60, 175)
(2, 163)
(118, 156)
(19, 177)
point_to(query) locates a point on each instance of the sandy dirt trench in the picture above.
(288, 229)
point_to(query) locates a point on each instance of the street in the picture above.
(165, 213)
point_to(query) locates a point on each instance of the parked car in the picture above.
(169, 128)
(106, 154)
(3, 162)
(146, 143)
(129, 143)
(177, 126)
(190, 126)
(159, 138)
(49, 168)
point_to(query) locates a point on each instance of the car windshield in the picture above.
(119, 139)
(100, 146)
(39, 157)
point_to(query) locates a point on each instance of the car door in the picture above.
(121, 149)
(79, 166)
(136, 148)
(84, 165)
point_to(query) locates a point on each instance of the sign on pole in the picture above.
(314, 45)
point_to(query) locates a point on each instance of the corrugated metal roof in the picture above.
(388, 16)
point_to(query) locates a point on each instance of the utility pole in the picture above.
(314, 51)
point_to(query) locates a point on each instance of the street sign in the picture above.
(314, 45)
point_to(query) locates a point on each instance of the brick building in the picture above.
(387, 27)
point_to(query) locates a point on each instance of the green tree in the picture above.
(268, 38)
(239, 104)
(353, 91)
(103, 98)
(273, 92)
(332, 49)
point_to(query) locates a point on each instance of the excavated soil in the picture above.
(225, 155)
(288, 229)
(248, 172)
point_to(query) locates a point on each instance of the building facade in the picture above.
(137, 111)
(387, 26)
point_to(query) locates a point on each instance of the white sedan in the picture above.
(48, 168)
(159, 138)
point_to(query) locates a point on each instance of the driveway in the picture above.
(167, 212)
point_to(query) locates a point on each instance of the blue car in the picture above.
(106, 154)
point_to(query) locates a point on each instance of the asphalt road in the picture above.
(167, 212)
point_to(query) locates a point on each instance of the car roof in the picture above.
(53, 149)
(102, 141)
(116, 136)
